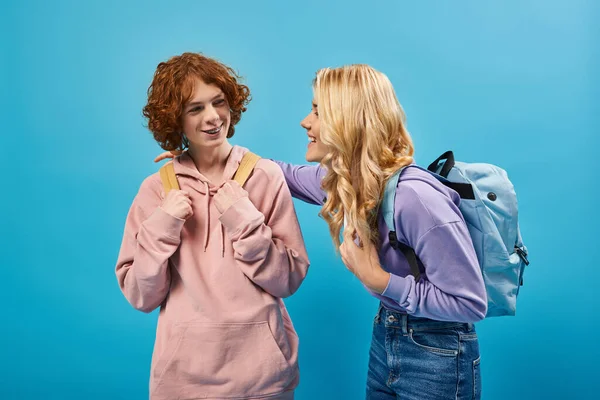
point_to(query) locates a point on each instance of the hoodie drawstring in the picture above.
(222, 230)
(207, 226)
(207, 230)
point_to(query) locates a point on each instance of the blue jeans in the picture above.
(420, 359)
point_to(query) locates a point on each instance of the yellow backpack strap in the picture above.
(168, 178)
(245, 169)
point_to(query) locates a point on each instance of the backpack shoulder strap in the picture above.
(246, 166)
(387, 209)
(168, 178)
(389, 198)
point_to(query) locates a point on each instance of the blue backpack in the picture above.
(489, 207)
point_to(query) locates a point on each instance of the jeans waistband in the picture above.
(405, 322)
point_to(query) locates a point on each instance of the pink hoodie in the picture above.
(223, 331)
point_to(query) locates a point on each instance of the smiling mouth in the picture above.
(214, 131)
(312, 140)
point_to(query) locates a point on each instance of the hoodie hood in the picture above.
(184, 167)
(415, 173)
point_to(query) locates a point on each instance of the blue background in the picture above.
(514, 83)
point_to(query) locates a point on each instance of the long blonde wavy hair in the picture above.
(363, 125)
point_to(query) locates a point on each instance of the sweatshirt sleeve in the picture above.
(267, 241)
(150, 237)
(452, 288)
(304, 181)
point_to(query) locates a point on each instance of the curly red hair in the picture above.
(173, 86)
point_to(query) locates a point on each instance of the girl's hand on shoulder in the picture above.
(167, 154)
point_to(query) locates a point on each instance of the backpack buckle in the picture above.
(522, 254)
(393, 240)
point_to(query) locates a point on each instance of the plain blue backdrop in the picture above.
(514, 83)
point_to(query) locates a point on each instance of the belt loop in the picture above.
(378, 316)
(404, 324)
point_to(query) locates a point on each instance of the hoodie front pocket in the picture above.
(226, 360)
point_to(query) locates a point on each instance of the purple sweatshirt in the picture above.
(428, 219)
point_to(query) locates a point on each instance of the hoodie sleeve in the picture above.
(267, 241)
(452, 288)
(304, 181)
(150, 237)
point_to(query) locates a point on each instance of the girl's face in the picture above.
(316, 149)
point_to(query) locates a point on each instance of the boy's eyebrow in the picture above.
(195, 103)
